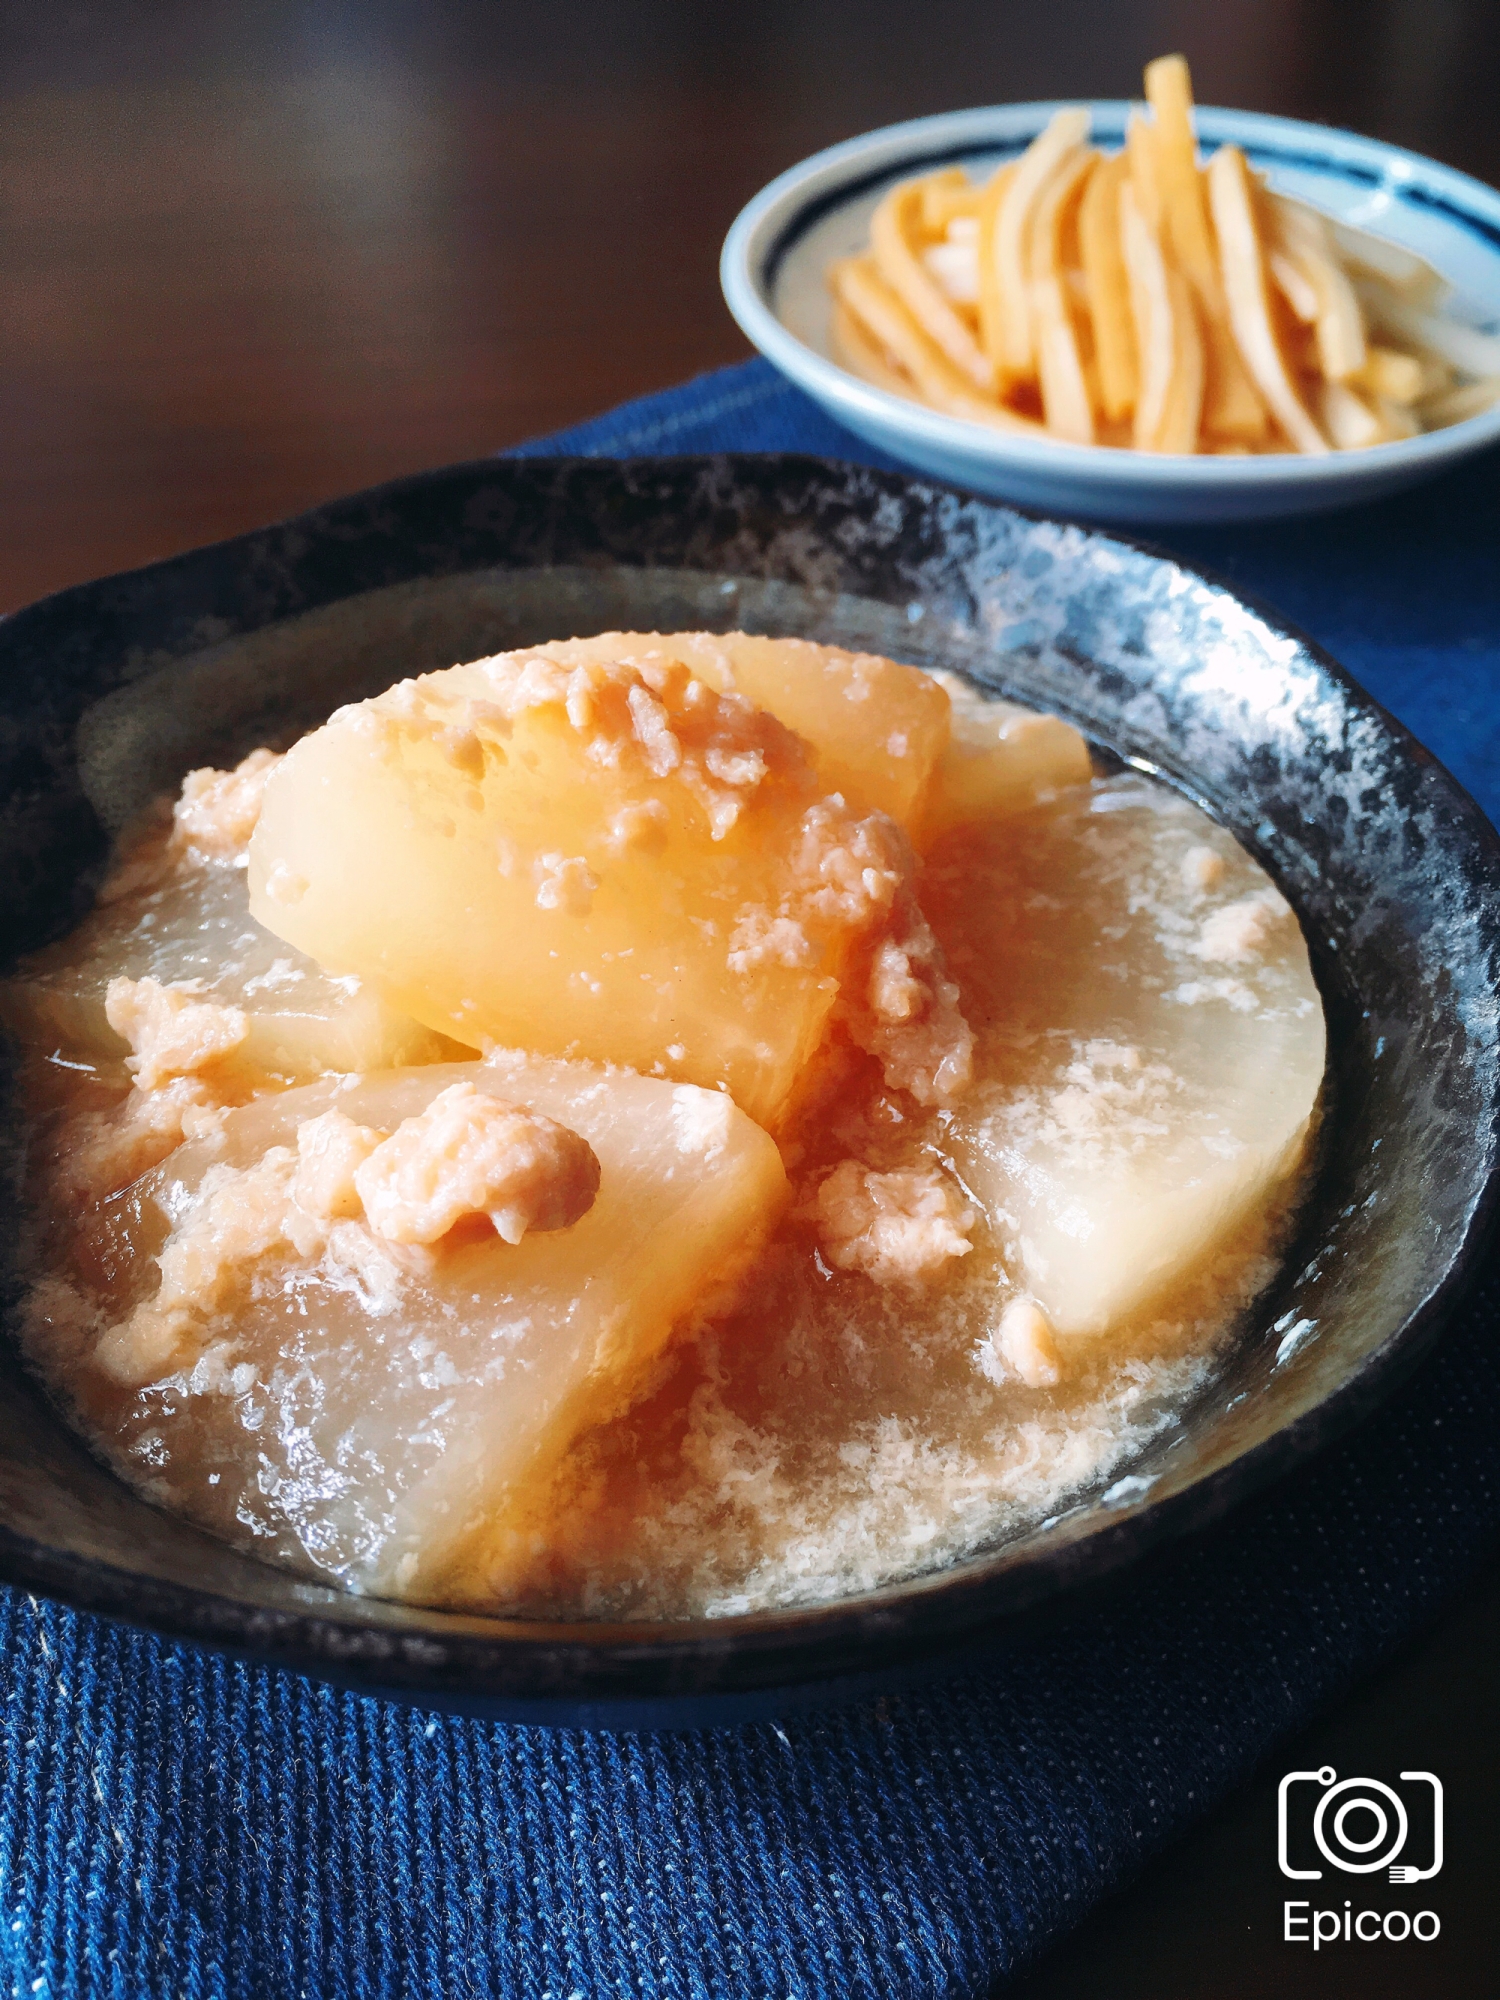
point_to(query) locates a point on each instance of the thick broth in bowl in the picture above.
(657, 1126)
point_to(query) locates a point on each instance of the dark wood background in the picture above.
(255, 255)
(252, 256)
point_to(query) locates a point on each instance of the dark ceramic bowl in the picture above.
(114, 689)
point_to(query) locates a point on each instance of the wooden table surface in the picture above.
(258, 255)
(255, 256)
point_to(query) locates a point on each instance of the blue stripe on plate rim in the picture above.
(1268, 142)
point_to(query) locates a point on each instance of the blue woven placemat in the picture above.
(173, 1824)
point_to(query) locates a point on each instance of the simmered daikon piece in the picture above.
(600, 860)
(198, 927)
(1149, 1043)
(282, 1338)
(177, 913)
(876, 728)
(1000, 759)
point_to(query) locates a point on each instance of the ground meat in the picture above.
(471, 1154)
(1024, 1342)
(762, 938)
(897, 1002)
(849, 870)
(237, 1219)
(897, 1228)
(172, 1030)
(564, 882)
(1240, 931)
(217, 811)
(653, 712)
(99, 1152)
(905, 1012)
(330, 1150)
(1202, 869)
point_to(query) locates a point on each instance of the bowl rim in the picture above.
(772, 220)
(629, 1673)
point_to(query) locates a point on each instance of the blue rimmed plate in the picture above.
(781, 244)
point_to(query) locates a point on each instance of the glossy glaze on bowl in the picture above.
(115, 688)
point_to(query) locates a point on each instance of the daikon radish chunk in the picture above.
(607, 861)
(386, 1410)
(187, 923)
(875, 728)
(1150, 1044)
(1000, 760)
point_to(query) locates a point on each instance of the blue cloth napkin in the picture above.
(174, 1824)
